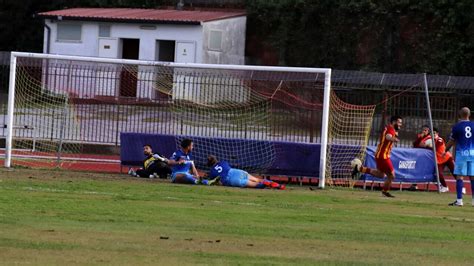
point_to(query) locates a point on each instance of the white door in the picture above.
(185, 52)
(108, 47)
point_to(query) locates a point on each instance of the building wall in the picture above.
(89, 45)
(231, 52)
(233, 41)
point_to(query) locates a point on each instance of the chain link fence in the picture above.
(106, 116)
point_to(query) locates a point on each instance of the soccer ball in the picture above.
(356, 162)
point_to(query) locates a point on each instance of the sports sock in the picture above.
(275, 185)
(260, 185)
(459, 186)
(267, 182)
(191, 180)
(443, 181)
(472, 188)
(271, 184)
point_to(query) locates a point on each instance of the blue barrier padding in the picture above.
(296, 159)
(131, 146)
(280, 158)
(284, 158)
(411, 165)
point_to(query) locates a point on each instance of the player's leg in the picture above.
(379, 171)
(161, 169)
(367, 170)
(236, 178)
(472, 189)
(143, 173)
(184, 178)
(471, 176)
(450, 165)
(460, 170)
(193, 169)
(388, 184)
(385, 166)
(373, 172)
(132, 172)
(263, 183)
(444, 186)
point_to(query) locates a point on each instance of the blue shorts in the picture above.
(236, 178)
(464, 168)
(187, 174)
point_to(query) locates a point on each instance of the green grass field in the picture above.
(61, 218)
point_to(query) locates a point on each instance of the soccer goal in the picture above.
(79, 105)
(267, 120)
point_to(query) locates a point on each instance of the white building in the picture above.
(214, 37)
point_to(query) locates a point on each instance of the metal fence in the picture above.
(4, 76)
(102, 116)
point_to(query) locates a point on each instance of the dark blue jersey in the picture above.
(462, 133)
(220, 169)
(180, 155)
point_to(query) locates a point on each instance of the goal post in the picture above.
(10, 109)
(293, 101)
(324, 129)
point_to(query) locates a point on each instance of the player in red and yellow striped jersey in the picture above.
(382, 155)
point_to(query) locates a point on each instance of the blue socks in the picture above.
(472, 188)
(190, 179)
(260, 185)
(459, 186)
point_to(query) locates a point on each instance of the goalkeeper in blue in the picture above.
(462, 137)
(232, 177)
(183, 169)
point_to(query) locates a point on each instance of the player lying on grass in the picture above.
(232, 177)
(183, 169)
(154, 165)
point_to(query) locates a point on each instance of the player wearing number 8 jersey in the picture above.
(462, 136)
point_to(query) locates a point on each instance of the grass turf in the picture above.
(56, 217)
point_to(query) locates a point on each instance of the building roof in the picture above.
(140, 15)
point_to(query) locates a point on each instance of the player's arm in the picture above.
(451, 141)
(160, 158)
(450, 144)
(391, 138)
(427, 144)
(416, 143)
(194, 170)
(174, 160)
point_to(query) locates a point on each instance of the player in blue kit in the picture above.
(183, 170)
(462, 137)
(232, 177)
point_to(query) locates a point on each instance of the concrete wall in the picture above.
(232, 52)
(233, 41)
(89, 45)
